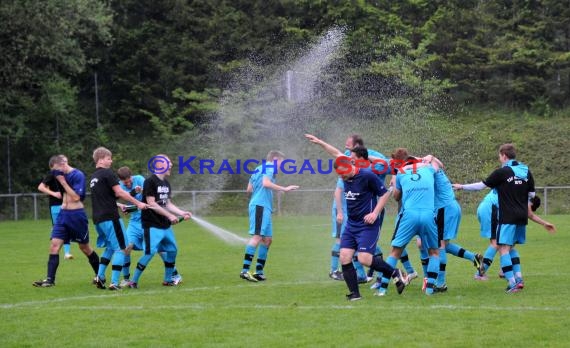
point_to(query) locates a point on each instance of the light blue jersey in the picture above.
(416, 216)
(380, 167)
(444, 194)
(138, 180)
(417, 194)
(336, 227)
(262, 196)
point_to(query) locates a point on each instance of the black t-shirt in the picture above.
(50, 181)
(104, 201)
(513, 194)
(160, 190)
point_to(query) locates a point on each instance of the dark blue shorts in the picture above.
(361, 237)
(71, 225)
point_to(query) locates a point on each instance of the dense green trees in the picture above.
(159, 68)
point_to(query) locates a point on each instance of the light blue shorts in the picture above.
(159, 239)
(487, 214)
(111, 235)
(416, 222)
(509, 234)
(135, 235)
(260, 221)
(448, 219)
(337, 228)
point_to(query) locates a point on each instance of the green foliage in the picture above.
(166, 68)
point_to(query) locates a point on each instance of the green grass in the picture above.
(298, 306)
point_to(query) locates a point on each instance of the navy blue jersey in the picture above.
(103, 199)
(76, 180)
(361, 193)
(513, 182)
(160, 190)
(50, 181)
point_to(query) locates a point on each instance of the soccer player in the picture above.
(488, 218)
(487, 214)
(448, 218)
(71, 223)
(366, 197)
(338, 224)
(261, 186)
(157, 223)
(514, 185)
(50, 186)
(105, 190)
(382, 169)
(415, 188)
(133, 184)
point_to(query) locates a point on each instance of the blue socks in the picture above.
(458, 251)
(248, 258)
(261, 258)
(335, 252)
(489, 256)
(507, 266)
(440, 281)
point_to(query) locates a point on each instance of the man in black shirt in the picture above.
(157, 221)
(105, 190)
(515, 186)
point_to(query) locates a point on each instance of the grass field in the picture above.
(298, 306)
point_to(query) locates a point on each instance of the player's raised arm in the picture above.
(331, 150)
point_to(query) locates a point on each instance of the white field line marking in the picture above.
(139, 292)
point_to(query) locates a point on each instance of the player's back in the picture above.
(417, 187)
(262, 196)
(444, 194)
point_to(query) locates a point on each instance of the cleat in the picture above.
(45, 283)
(412, 276)
(247, 276)
(177, 279)
(479, 277)
(380, 293)
(478, 263)
(124, 283)
(501, 274)
(68, 257)
(364, 280)
(336, 275)
(377, 284)
(400, 280)
(170, 283)
(99, 282)
(512, 289)
(424, 285)
(260, 277)
(132, 285)
(353, 297)
(520, 284)
(442, 288)
(114, 287)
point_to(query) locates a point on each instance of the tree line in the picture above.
(125, 73)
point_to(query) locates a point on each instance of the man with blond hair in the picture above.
(261, 186)
(105, 190)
